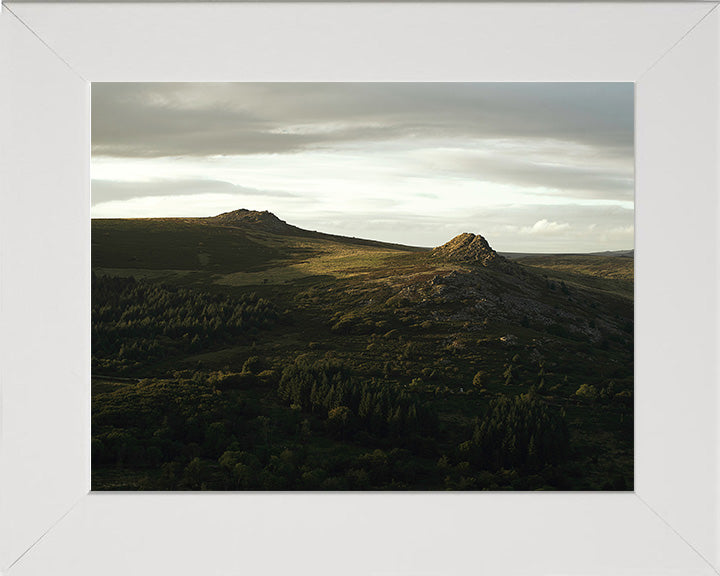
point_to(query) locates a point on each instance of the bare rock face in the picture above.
(468, 248)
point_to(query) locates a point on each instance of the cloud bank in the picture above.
(384, 153)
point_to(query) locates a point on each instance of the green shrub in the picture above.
(587, 392)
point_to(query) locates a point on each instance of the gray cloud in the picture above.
(153, 120)
(112, 190)
(577, 180)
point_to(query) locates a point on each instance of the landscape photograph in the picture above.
(362, 286)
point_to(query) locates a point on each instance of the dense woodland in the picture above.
(203, 432)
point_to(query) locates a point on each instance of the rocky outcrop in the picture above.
(266, 221)
(468, 248)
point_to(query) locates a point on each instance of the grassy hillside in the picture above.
(613, 273)
(250, 354)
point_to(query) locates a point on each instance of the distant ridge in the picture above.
(609, 253)
(468, 248)
(265, 221)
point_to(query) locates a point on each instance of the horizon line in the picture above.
(501, 252)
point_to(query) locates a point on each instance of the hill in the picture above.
(410, 349)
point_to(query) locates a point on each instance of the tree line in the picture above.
(518, 432)
(135, 323)
(352, 405)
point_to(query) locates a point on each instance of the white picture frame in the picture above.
(51, 524)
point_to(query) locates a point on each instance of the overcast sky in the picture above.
(532, 167)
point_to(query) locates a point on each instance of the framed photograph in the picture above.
(648, 504)
(356, 286)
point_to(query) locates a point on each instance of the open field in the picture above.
(598, 266)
